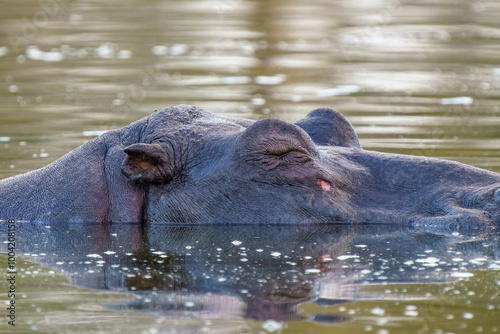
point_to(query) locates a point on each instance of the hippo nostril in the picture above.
(496, 196)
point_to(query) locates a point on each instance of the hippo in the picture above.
(183, 164)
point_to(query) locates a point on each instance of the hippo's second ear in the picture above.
(147, 163)
(330, 128)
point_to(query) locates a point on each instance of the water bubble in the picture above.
(377, 311)
(34, 53)
(234, 80)
(94, 255)
(346, 257)
(124, 54)
(258, 101)
(52, 56)
(159, 50)
(411, 311)
(3, 51)
(178, 49)
(459, 100)
(462, 275)
(339, 90)
(270, 80)
(467, 315)
(272, 325)
(105, 51)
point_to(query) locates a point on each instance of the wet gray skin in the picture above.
(185, 165)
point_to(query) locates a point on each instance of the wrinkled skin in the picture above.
(186, 165)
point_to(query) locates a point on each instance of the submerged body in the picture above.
(185, 165)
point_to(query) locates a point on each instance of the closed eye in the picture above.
(281, 147)
(286, 151)
(275, 151)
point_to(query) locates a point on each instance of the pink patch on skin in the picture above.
(325, 185)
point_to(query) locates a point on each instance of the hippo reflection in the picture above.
(231, 272)
(185, 165)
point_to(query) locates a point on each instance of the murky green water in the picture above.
(415, 77)
(127, 278)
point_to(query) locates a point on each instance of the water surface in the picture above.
(413, 77)
(322, 278)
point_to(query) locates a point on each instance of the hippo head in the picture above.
(196, 167)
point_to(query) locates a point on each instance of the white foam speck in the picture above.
(94, 255)
(270, 80)
(467, 315)
(3, 51)
(272, 325)
(428, 260)
(459, 100)
(411, 313)
(178, 49)
(377, 311)
(339, 90)
(462, 275)
(124, 54)
(159, 50)
(258, 101)
(346, 257)
(235, 80)
(52, 56)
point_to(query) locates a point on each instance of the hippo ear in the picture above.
(330, 128)
(147, 163)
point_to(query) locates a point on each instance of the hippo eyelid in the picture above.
(283, 151)
(281, 147)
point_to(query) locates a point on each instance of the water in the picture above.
(243, 279)
(413, 77)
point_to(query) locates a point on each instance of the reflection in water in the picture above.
(257, 272)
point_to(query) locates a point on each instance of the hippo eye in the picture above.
(282, 148)
(283, 152)
(291, 153)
